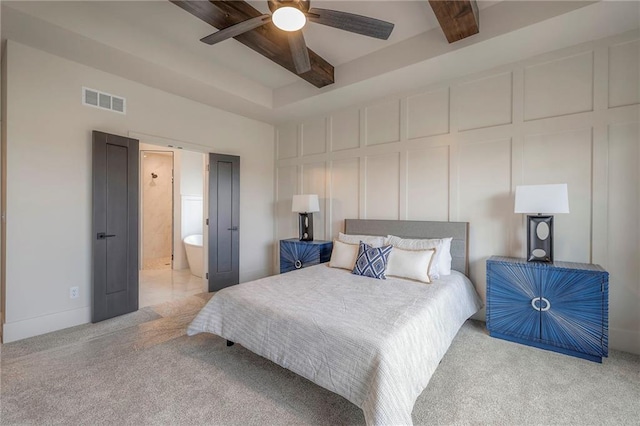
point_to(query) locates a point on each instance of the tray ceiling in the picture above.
(158, 45)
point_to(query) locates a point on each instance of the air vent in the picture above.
(97, 99)
(117, 104)
(90, 97)
(105, 101)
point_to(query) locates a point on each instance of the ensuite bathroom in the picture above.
(172, 183)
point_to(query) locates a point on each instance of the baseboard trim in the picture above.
(624, 340)
(45, 324)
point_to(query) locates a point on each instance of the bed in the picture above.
(374, 342)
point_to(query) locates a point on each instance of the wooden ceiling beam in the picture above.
(458, 18)
(267, 40)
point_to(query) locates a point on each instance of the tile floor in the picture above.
(157, 263)
(164, 285)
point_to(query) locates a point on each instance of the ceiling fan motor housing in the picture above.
(303, 5)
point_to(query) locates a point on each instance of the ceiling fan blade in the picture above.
(299, 52)
(350, 22)
(237, 29)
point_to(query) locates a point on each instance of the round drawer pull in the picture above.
(547, 304)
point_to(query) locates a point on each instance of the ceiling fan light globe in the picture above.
(289, 18)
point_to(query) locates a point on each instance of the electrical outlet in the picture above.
(74, 292)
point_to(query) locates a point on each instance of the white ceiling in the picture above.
(158, 43)
(338, 47)
(102, 20)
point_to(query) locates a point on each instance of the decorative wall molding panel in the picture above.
(456, 151)
(314, 181)
(428, 114)
(428, 183)
(345, 130)
(383, 123)
(624, 83)
(345, 192)
(568, 79)
(382, 193)
(473, 110)
(287, 146)
(314, 137)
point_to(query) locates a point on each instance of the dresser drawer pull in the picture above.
(546, 307)
(297, 264)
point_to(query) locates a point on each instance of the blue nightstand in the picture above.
(561, 306)
(296, 254)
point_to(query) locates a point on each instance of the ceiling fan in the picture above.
(292, 15)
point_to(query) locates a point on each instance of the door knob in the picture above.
(104, 236)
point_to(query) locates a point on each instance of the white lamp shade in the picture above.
(548, 199)
(306, 203)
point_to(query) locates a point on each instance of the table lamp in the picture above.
(540, 202)
(305, 205)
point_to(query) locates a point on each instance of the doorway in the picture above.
(146, 200)
(171, 210)
(156, 178)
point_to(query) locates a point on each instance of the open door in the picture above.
(224, 218)
(115, 226)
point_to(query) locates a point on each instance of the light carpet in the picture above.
(141, 368)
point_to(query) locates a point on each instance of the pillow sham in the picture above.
(421, 244)
(372, 261)
(411, 264)
(343, 255)
(441, 263)
(372, 240)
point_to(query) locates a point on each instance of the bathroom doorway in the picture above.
(172, 260)
(156, 177)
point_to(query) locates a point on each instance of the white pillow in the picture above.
(412, 264)
(441, 264)
(343, 255)
(420, 244)
(444, 264)
(373, 240)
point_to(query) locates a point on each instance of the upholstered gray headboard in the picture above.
(459, 231)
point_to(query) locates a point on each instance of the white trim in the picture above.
(40, 325)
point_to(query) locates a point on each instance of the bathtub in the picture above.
(195, 255)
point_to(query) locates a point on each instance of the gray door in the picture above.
(224, 216)
(115, 226)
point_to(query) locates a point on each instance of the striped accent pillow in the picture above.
(372, 262)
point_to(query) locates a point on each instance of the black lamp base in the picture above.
(306, 226)
(540, 239)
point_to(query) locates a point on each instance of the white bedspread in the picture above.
(375, 342)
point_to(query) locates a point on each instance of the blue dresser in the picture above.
(296, 254)
(561, 306)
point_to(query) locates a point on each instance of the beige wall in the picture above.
(456, 151)
(49, 179)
